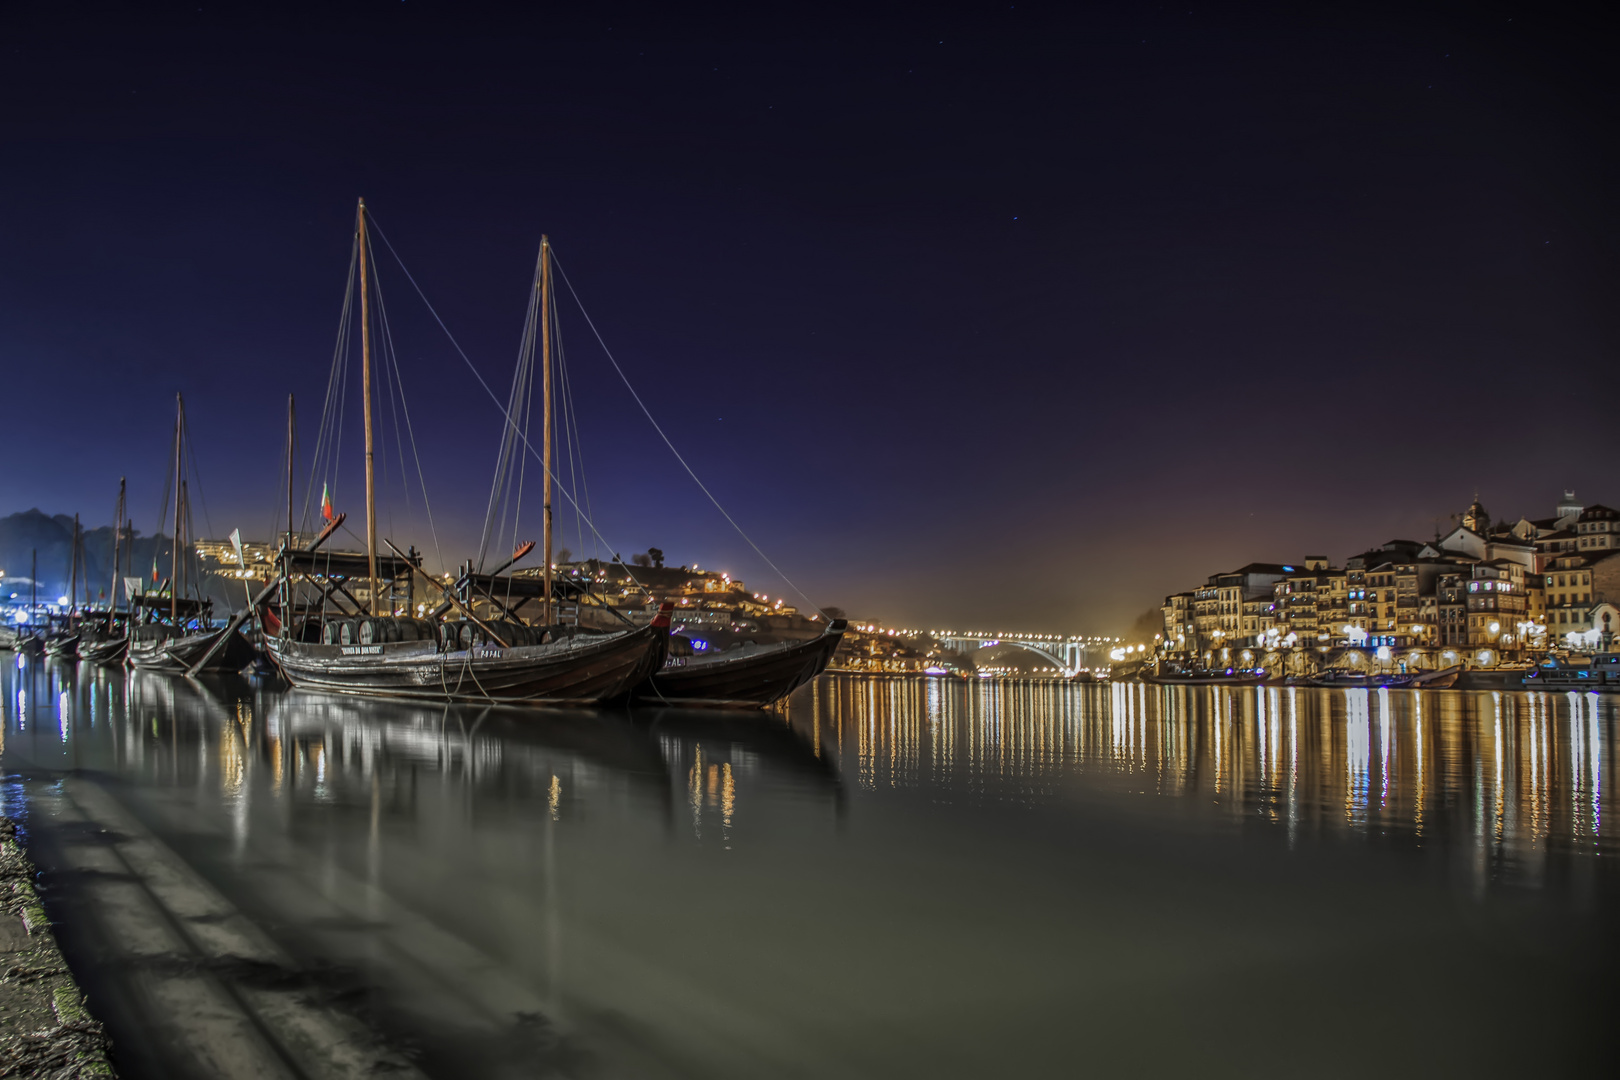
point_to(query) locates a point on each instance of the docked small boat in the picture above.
(1442, 679)
(159, 647)
(170, 631)
(748, 676)
(570, 669)
(62, 646)
(26, 642)
(104, 639)
(1343, 679)
(28, 638)
(104, 649)
(1226, 677)
(1506, 677)
(461, 660)
(63, 641)
(342, 620)
(1600, 675)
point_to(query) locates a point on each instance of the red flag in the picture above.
(326, 503)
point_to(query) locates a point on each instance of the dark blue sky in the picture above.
(1013, 315)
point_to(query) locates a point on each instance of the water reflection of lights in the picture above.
(1358, 754)
(1512, 776)
(1386, 762)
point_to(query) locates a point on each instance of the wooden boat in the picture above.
(1442, 679)
(466, 660)
(108, 649)
(1342, 679)
(159, 647)
(1207, 678)
(27, 642)
(62, 643)
(581, 669)
(322, 636)
(62, 646)
(1506, 677)
(171, 632)
(26, 639)
(750, 676)
(105, 640)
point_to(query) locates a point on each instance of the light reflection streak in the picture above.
(1358, 753)
(1443, 760)
(1297, 758)
(1383, 746)
(1420, 794)
(1498, 792)
(1594, 784)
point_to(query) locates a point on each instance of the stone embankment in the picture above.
(44, 1028)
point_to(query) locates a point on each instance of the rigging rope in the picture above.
(575, 445)
(327, 444)
(477, 375)
(168, 486)
(191, 450)
(397, 388)
(648, 414)
(519, 399)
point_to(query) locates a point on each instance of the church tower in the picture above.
(1569, 508)
(1476, 518)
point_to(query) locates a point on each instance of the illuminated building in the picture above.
(1496, 603)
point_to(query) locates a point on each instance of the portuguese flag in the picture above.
(326, 503)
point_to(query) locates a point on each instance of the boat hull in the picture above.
(104, 650)
(27, 645)
(1368, 684)
(746, 681)
(176, 655)
(1493, 678)
(63, 647)
(580, 671)
(1443, 679)
(1211, 680)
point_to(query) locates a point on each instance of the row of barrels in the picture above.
(450, 636)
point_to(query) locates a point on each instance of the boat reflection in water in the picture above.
(885, 877)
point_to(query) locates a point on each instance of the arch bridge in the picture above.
(1071, 653)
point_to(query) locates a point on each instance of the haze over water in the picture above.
(888, 877)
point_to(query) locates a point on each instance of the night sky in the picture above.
(1017, 316)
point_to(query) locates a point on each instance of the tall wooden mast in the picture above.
(291, 428)
(545, 393)
(174, 559)
(118, 541)
(185, 528)
(73, 571)
(365, 386)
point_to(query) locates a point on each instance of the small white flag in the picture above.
(132, 588)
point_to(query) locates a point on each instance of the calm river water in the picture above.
(886, 878)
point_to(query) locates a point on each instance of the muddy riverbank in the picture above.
(45, 1029)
